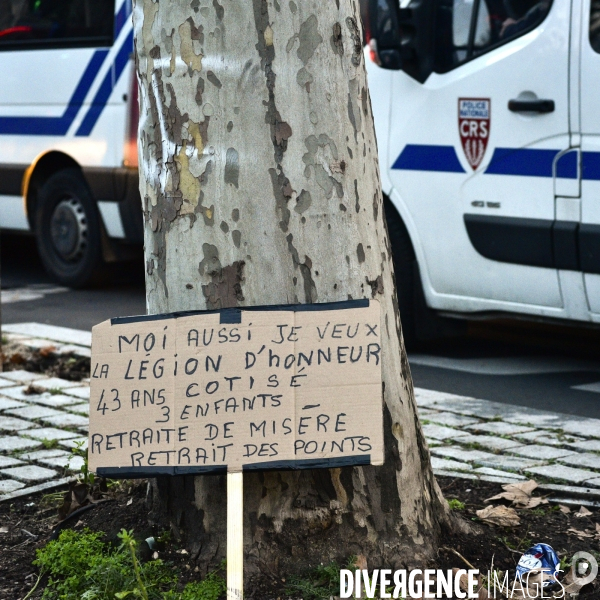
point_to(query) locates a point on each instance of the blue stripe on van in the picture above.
(522, 161)
(106, 88)
(59, 126)
(505, 161)
(122, 16)
(590, 165)
(56, 125)
(417, 157)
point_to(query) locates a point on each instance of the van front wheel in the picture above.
(67, 227)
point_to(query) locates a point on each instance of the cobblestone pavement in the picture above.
(468, 437)
(38, 430)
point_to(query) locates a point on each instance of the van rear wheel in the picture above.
(67, 227)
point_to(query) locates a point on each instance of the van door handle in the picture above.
(539, 106)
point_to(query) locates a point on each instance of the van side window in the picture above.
(32, 24)
(478, 26)
(595, 25)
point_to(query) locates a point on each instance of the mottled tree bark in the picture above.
(260, 183)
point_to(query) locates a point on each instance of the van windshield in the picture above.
(55, 23)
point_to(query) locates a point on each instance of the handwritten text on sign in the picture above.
(280, 389)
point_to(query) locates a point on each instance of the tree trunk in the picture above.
(259, 177)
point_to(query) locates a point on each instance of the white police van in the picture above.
(488, 122)
(68, 132)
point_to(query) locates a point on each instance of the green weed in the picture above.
(49, 444)
(456, 504)
(80, 566)
(319, 583)
(55, 391)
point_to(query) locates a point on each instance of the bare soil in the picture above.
(28, 523)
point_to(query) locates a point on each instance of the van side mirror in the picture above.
(382, 25)
(403, 38)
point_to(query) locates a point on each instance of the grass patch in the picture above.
(80, 566)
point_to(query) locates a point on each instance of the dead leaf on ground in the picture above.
(33, 389)
(583, 512)
(579, 534)
(564, 509)
(499, 515)
(361, 562)
(47, 351)
(17, 358)
(519, 494)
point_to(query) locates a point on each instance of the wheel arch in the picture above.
(392, 214)
(37, 174)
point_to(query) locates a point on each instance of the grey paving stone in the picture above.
(53, 400)
(424, 413)
(54, 333)
(80, 392)
(499, 428)
(56, 383)
(73, 463)
(449, 464)
(33, 412)
(10, 485)
(10, 443)
(72, 443)
(489, 441)
(67, 420)
(539, 421)
(562, 473)
(36, 455)
(498, 473)
(8, 403)
(432, 398)
(450, 419)
(475, 476)
(81, 409)
(547, 437)
(18, 393)
(541, 452)
(593, 482)
(461, 454)
(50, 433)
(582, 459)
(9, 461)
(438, 432)
(14, 424)
(29, 473)
(585, 445)
(509, 463)
(73, 349)
(584, 427)
(4, 383)
(21, 376)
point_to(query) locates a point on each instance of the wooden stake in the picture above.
(235, 536)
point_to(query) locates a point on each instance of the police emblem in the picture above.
(474, 120)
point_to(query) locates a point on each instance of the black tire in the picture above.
(68, 229)
(406, 268)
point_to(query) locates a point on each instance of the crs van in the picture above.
(488, 122)
(68, 132)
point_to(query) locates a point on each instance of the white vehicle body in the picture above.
(66, 102)
(520, 231)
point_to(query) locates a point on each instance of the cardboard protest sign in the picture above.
(237, 389)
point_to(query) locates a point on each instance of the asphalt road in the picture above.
(531, 365)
